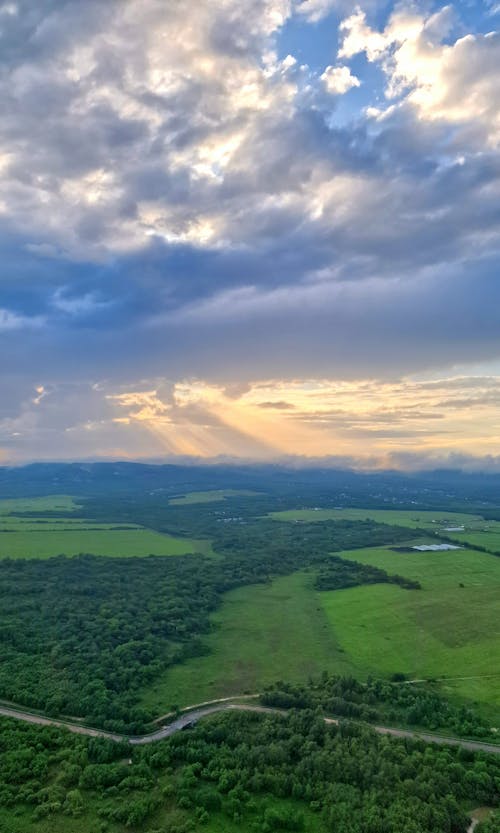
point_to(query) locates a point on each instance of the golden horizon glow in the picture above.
(369, 420)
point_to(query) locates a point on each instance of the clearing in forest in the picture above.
(211, 496)
(45, 536)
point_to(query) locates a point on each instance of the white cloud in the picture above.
(111, 91)
(315, 10)
(339, 80)
(451, 82)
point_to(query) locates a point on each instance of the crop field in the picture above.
(212, 496)
(262, 633)
(44, 537)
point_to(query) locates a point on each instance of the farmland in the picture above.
(413, 518)
(39, 536)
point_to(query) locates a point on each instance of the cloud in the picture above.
(339, 80)
(280, 405)
(455, 82)
(360, 422)
(10, 321)
(315, 10)
(180, 202)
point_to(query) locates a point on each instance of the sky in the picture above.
(266, 230)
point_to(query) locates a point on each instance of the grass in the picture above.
(211, 496)
(443, 630)
(261, 633)
(287, 630)
(487, 538)
(413, 518)
(96, 541)
(52, 503)
(39, 537)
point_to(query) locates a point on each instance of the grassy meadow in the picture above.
(262, 633)
(52, 503)
(412, 518)
(444, 630)
(487, 537)
(288, 630)
(211, 496)
(45, 537)
(477, 530)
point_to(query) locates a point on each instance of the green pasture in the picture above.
(52, 503)
(95, 540)
(44, 537)
(488, 537)
(288, 630)
(442, 631)
(211, 496)
(262, 633)
(413, 518)
(477, 531)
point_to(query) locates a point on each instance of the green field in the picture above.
(477, 531)
(443, 630)
(413, 518)
(487, 537)
(287, 630)
(95, 540)
(211, 496)
(44, 537)
(262, 633)
(52, 503)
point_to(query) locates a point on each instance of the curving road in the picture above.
(191, 717)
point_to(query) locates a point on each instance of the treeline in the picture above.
(338, 574)
(80, 636)
(397, 703)
(258, 773)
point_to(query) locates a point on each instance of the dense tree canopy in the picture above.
(262, 773)
(395, 702)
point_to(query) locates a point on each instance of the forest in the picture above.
(395, 702)
(243, 771)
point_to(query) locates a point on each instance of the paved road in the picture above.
(193, 716)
